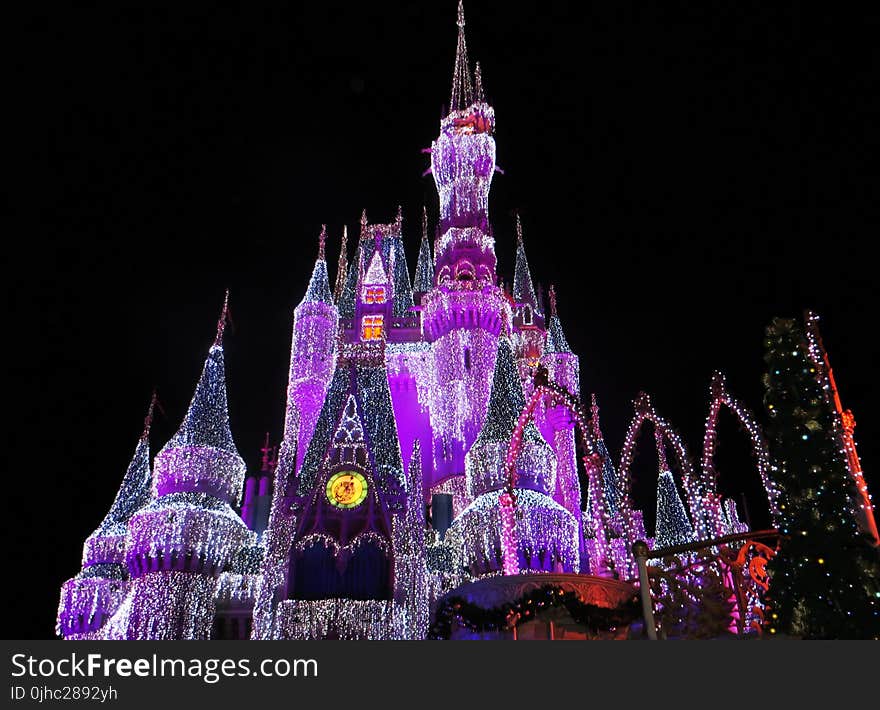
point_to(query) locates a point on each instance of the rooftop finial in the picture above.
(363, 222)
(399, 217)
(267, 450)
(462, 92)
(221, 324)
(342, 267)
(148, 420)
(322, 242)
(519, 237)
(479, 96)
(594, 417)
(552, 294)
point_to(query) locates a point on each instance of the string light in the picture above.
(496, 395)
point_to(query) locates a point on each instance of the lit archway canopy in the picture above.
(558, 396)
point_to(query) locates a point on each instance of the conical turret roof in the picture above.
(506, 402)
(134, 492)
(319, 285)
(424, 281)
(523, 288)
(207, 420)
(556, 342)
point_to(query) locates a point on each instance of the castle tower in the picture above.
(528, 316)
(177, 545)
(349, 497)
(465, 312)
(91, 598)
(312, 356)
(424, 280)
(562, 368)
(379, 288)
(547, 532)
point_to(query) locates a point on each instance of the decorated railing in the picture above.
(706, 589)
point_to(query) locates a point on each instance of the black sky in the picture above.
(684, 174)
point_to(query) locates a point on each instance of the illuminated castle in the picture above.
(430, 443)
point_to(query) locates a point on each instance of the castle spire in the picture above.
(479, 95)
(207, 419)
(506, 400)
(523, 289)
(319, 285)
(424, 280)
(133, 494)
(462, 92)
(556, 342)
(342, 267)
(148, 420)
(221, 323)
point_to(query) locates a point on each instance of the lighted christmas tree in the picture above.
(673, 526)
(824, 580)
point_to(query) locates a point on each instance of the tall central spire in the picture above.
(462, 90)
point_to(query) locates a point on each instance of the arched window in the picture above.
(367, 574)
(315, 574)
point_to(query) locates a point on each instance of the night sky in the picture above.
(683, 174)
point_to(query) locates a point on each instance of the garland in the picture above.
(511, 614)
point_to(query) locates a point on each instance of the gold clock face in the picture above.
(346, 489)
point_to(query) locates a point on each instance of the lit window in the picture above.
(371, 327)
(374, 294)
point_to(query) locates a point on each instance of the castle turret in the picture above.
(528, 320)
(563, 366)
(312, 356)
(178, 544)
(106, 546)
(556, 423)
(379, 287)
(91, 598)
(349, 498)
(546, 532)
(424, 280)
(610, 484)
(523, 287)
(466, 312)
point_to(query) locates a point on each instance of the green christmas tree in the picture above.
(825, 581)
